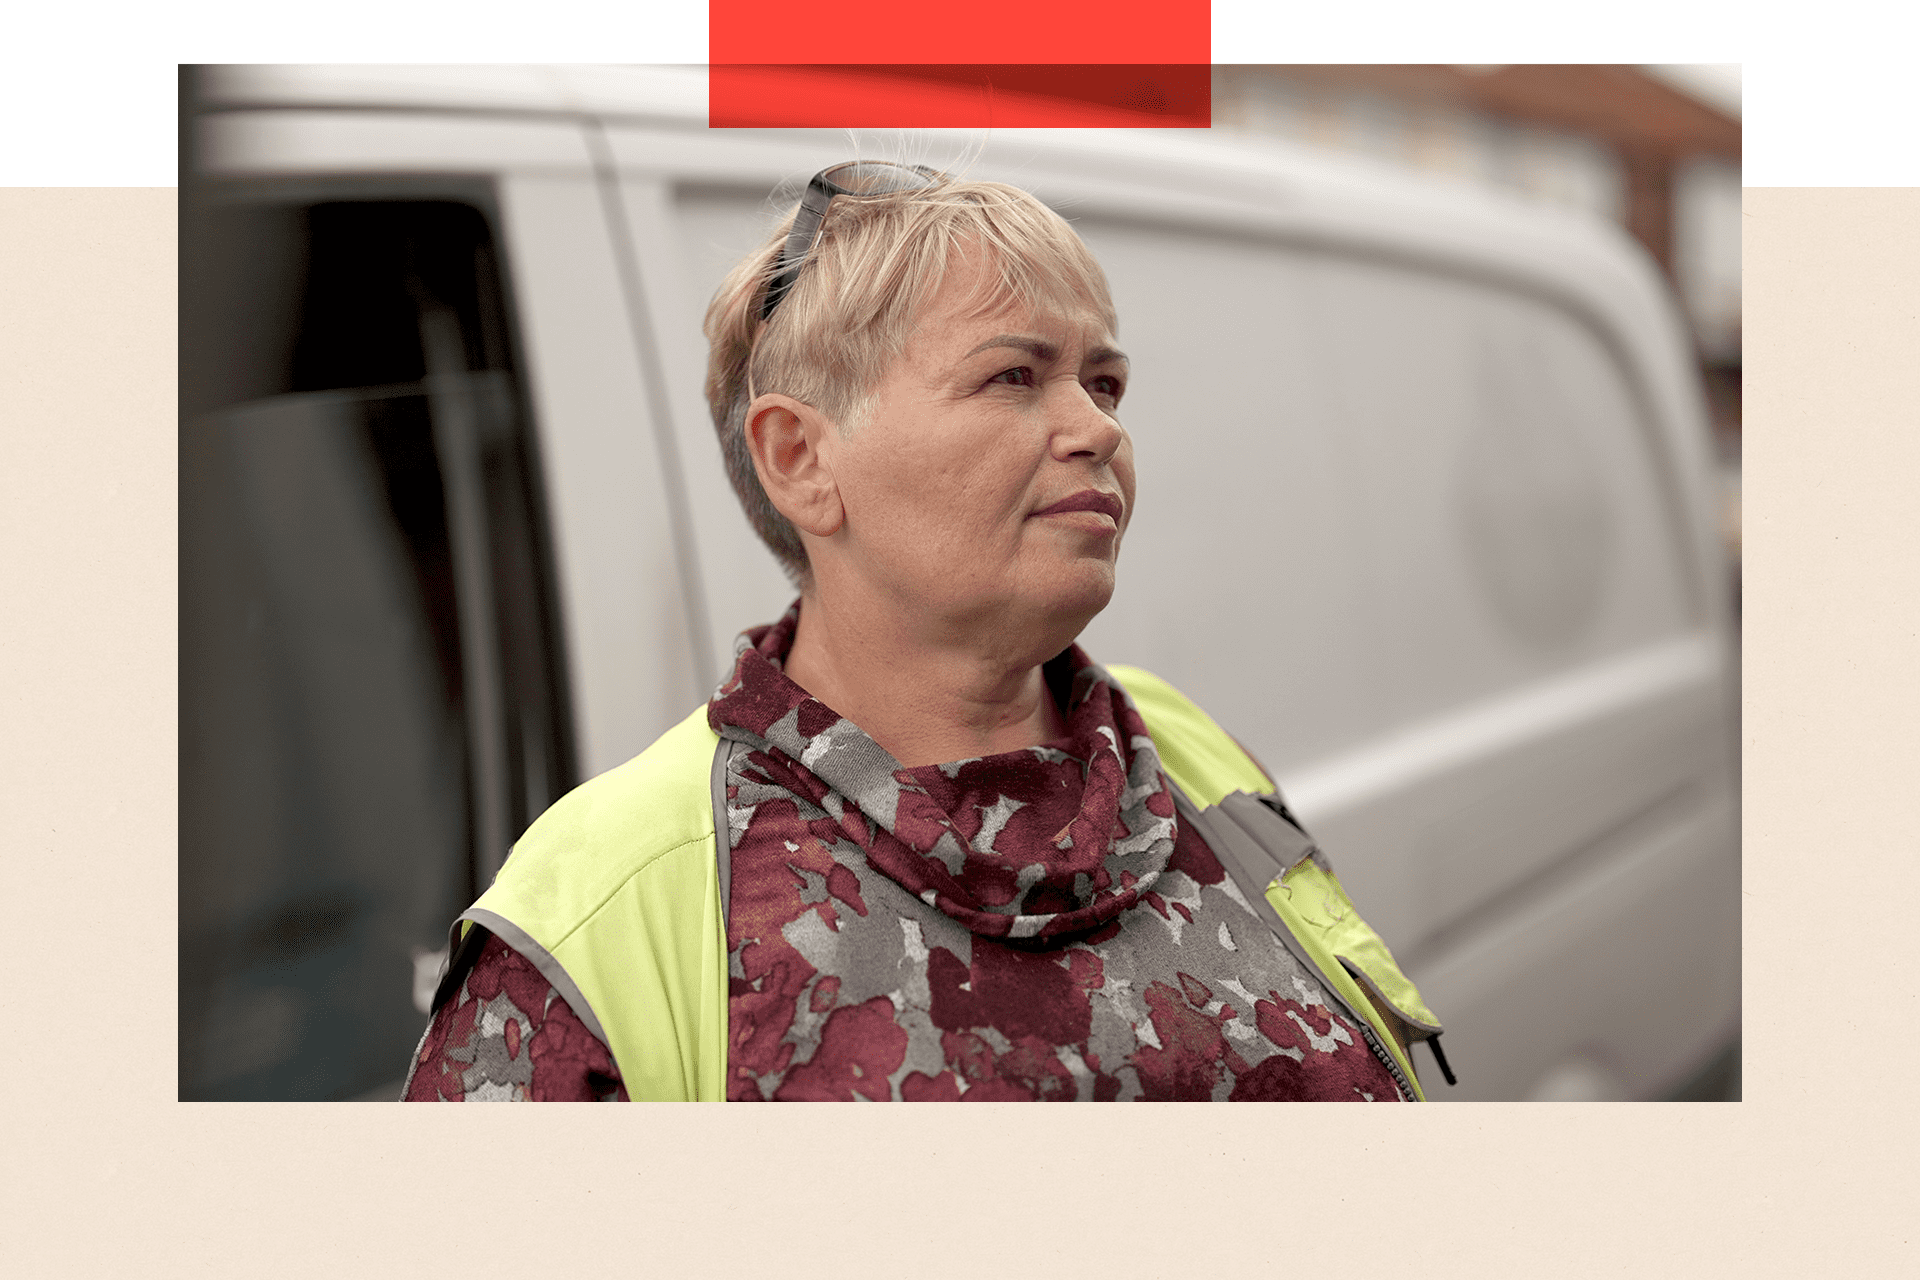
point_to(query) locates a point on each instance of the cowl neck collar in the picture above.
(1050, 840)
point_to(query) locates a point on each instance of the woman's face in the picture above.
(990, 482)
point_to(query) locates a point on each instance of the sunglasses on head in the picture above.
(853, 178)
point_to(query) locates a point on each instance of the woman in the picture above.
(954, 856)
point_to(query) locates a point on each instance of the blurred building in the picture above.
(1656, 149)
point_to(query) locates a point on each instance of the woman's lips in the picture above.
(1094, 500)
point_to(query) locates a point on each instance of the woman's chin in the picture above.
(1031, 609)
(1071, 597)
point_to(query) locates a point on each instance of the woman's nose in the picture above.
(1082, 428)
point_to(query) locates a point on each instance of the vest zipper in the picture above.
(1386, 1059)
(1224, 837)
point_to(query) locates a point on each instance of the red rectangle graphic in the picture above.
(986, 32)
(961, 96)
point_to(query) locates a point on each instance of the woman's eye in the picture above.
(1106, 387)
(1018, 377)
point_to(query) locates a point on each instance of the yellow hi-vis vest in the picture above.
(615, 895)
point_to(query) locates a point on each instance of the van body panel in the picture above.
(1570, 968)
(675, 94)
(273, 141)
(628, 643)
(682, 234)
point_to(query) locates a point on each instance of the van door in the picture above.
(426, 579)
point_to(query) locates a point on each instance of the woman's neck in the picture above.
(927, 699)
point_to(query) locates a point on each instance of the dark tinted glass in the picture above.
(372, 705)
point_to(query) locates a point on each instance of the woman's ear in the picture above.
(785, 437)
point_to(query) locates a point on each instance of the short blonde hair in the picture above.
(876, 261)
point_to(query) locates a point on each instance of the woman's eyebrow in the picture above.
(1037, 348)
(1040, 349)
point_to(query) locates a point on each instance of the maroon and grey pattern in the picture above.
(1028, 925)
(510, 1037)
(987, 865)
(1032, 925)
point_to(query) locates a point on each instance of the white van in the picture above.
(1426, 519)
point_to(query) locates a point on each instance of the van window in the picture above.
(371, 703)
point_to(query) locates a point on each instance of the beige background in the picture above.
(1813, 1175)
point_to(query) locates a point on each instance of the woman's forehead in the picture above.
(969, 315)
(977, 285)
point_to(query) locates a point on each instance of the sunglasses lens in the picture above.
(854, 178)
(875, 177)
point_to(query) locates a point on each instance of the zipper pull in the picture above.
(1433, 1043)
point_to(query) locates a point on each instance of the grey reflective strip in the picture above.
(1414, 1024)
(722, 828)
(1252, 855)
(1256, 845)
(1253, 845)
(1284, 841)
(542, 959)
(1253, 867)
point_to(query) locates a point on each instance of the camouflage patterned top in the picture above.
(508, 1036)
(1030, 925)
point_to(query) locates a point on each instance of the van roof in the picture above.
(1178, 176)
